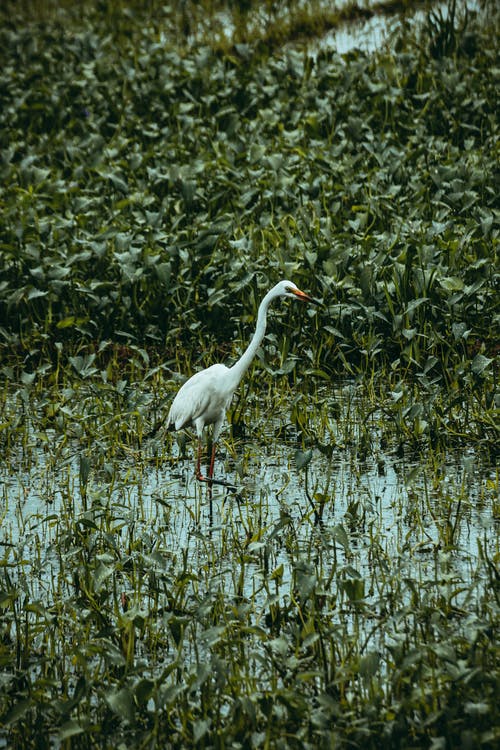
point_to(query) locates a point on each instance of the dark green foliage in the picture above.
(143, 187)
(152, 187)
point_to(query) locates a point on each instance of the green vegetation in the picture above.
(157, 176)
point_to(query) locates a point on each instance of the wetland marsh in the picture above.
(155, 182)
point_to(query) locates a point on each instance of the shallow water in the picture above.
(373, 33)
(405, 506)
(365, 34)
(138, 525)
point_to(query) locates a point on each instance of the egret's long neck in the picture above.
(242, 365)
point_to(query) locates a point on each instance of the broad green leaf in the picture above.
(480, 363)
(302, 458)
(121, 702)
(69, 729)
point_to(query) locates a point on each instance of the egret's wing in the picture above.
(203, 395)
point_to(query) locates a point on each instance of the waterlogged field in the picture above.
(162, 166)
(333, 584)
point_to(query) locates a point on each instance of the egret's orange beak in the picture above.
(303, 296)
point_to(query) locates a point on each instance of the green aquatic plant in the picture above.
(346, 593)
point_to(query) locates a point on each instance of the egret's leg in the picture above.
(212, 461)
(199, 475)
(209, 478)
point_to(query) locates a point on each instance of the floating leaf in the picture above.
(303, 458)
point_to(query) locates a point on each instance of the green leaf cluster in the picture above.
(150, 190)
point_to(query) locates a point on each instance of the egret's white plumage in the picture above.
(204, 398)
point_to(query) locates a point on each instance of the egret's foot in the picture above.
(219, 482)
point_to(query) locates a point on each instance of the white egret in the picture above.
(204, 398)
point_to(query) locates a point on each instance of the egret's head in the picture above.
(289, 289)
